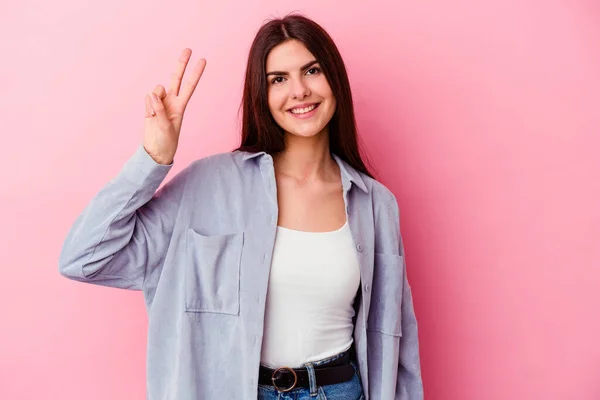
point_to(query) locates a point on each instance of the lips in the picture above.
(308, 112)
(307, 109)
(304, 105)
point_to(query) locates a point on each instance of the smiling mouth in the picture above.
(305, 110)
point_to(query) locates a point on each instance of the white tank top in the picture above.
(309, 307)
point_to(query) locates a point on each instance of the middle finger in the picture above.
(179, 71)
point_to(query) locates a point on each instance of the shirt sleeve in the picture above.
(409, 384)
(125, 230)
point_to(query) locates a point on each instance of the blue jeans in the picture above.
(349, 390)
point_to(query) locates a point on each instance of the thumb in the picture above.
(157, 105)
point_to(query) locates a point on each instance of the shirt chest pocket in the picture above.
(212, 272)
(385, 315)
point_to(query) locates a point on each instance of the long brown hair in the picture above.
(260, 132)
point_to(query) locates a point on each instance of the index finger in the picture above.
(188, 89)
(179, 71)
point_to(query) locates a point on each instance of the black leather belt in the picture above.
(285, 379)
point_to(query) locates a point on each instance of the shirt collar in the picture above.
(349, 174)
(247, 155)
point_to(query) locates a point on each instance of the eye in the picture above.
(315, 69)
(275, 80)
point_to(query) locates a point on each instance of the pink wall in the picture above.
(482, 117)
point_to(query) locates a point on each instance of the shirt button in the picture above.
(367, 287)
(264, 257)
(359, 247)
(347, 209)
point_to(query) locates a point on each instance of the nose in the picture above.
(299, 89)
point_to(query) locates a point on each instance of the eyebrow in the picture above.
(285, 73)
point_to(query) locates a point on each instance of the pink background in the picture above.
(482, 117)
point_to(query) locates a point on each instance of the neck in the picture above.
(306, 159)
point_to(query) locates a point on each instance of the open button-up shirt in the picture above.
(200, 248)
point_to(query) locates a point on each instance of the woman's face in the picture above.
(299, 95)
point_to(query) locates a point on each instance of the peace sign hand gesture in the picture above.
(164, 111)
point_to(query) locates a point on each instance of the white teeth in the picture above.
(304, 110)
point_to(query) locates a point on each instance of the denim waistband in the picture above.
(329, 359)
(321, 361)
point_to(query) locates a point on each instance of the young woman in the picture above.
(275, 271)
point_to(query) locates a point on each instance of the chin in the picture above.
(304, 133)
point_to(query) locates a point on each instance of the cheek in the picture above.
(323, 89)
(275, 100)
(270, 102)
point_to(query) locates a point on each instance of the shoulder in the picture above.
(386, 217)
(383, 197)
(224, 159)
(212, 170)
(219, 165)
